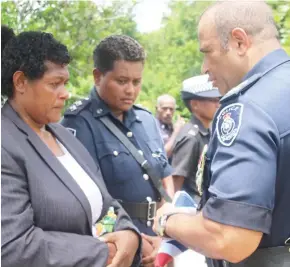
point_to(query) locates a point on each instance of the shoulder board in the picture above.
(77, 106)
(187, 132)
(138, 107)
(242, 87)
(193, 131)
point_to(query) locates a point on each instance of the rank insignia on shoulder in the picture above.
(73, 131)
(77, 106)
(72, 107)
(78, 103)
(192, 132)
(228, 123)
(200, 169)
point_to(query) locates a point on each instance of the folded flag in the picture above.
(171, 248)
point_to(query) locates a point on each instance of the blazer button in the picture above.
(145, 176)
(129, 134)
(115, 153)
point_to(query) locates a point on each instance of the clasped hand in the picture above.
(122, 246)
(150, 249)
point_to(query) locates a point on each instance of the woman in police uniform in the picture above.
(119, 63)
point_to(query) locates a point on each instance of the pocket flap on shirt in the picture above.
(111, 149)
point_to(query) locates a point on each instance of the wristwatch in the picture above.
(161, 224)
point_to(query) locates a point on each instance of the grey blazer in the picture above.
(46, 218)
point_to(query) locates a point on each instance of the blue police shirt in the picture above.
(246, 181)
(124, 177)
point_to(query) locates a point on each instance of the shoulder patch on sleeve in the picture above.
(228, 123)
(77, 106)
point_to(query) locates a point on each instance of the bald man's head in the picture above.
(165, 108)
(165, 98)
(254, 17)
(234, 36)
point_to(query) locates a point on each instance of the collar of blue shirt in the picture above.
(100, 108)
(270, 61)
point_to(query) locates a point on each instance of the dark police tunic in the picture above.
(123, 176)
(247, 171)
(186, 152)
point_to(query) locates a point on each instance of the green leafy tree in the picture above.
(281, 11)
(172, 51)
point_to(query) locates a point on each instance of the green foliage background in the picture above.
(172, 51)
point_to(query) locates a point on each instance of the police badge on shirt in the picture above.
(229, 123)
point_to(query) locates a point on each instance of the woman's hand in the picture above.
(147, 250)
(112, 252)
(127, 243)
(155, 242)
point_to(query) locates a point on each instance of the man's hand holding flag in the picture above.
(182, 203)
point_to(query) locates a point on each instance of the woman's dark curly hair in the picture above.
(117, 47)
(6, 35)
(28, 53)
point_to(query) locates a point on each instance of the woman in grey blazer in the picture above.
(53, 194)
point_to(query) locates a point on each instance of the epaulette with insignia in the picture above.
(193, 131)
(242, 87)
(137, 106)
(77, 106)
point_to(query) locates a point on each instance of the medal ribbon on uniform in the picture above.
(200, 170)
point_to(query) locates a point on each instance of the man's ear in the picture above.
(97, 76)
(19, 82)
(240, 40)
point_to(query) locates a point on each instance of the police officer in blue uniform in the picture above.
(119, 62)
(244, 214)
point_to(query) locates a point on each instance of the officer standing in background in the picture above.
(244, 214)
(110, 110)
(202, 100)
(165, 109)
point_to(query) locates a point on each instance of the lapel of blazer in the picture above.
(69, 142)
(50, 159)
